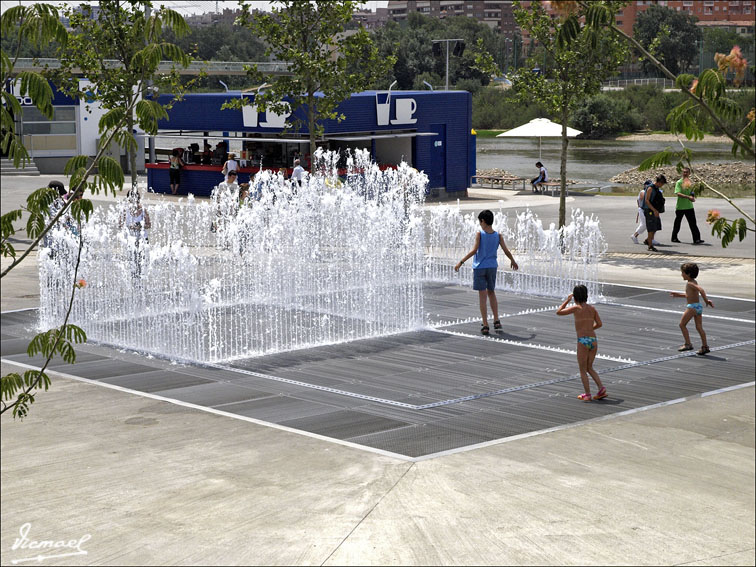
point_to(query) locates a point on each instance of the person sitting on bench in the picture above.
(543, 177)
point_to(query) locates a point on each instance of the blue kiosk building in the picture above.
(430, 130)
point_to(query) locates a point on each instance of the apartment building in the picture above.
(497, 14)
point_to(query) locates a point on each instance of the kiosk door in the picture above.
(437, 177)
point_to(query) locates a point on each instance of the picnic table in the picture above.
(501, 180)
(553, 185)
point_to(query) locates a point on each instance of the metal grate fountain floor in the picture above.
(445, 388)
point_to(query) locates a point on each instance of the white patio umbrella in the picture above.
(539, 128)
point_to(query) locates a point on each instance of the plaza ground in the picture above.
(155, 482)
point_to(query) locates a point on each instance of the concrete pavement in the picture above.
(155, 483)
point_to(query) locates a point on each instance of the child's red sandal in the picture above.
(585, 397)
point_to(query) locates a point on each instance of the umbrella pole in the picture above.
(539, 148)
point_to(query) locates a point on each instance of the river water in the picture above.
(588, 161)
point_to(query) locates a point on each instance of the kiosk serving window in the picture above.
(49, 137)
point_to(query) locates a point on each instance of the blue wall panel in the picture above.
(202, 112)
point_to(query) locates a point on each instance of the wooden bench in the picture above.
(553, 185)
(514, 180)
(501, 180)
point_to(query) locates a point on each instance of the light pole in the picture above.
(458, 50)
(506, 58)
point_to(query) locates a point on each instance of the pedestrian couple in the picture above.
(651, 205)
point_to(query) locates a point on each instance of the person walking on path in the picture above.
(694, 308)
(654, 206)
(487, 242)
(684, 208)
(587, 320)
(640, 217)
(174, 171)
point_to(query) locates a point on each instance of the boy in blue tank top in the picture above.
(487, 243)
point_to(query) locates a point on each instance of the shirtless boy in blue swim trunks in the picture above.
(587, 320)
(694, 308)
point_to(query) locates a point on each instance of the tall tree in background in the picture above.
(119, 47)
(573, 72)
(327, 65)
(672, 37)
(412, 42)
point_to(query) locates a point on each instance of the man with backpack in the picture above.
(653, 207)
(640, 216)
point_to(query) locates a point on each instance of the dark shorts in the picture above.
(175, 176)
(653, 223)
(484, 279)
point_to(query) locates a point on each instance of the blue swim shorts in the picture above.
(484, 279)
(697, 307)
(588, 342)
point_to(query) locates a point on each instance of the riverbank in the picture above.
(636, 137)
(727, 173)
(671, 138)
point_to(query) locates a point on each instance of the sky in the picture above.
(187, 7)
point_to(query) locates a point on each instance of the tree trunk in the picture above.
(132, 155)
(311, 128)
(563, 170)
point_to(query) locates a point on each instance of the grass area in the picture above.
(732, 190)
(488, 133)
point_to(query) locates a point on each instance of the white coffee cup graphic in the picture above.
(383, 107)
(273, 120)
(405, 108)
(249, 115)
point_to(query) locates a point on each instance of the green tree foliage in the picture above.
(327, 64)
(39, 23)
(36, 25)
(120, 31)
(670, 35)
(574, 70)
(602, 115)
(722, 41)
(411, 42)
(502, 109)
(219, 42)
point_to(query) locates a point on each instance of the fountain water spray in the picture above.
(343, 257)
(332, 261)
(552, 261)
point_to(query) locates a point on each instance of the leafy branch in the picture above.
(52, 342)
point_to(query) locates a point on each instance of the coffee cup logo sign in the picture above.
(250, 117)
(14, 88)
(404, 109)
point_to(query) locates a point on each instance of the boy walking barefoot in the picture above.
(487, 243)
(694, 308)
(587, 320)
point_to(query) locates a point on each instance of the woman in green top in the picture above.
(684, 208)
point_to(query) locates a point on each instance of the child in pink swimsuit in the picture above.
(587, 320)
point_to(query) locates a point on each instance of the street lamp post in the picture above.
(506, 55)
(458, 49)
